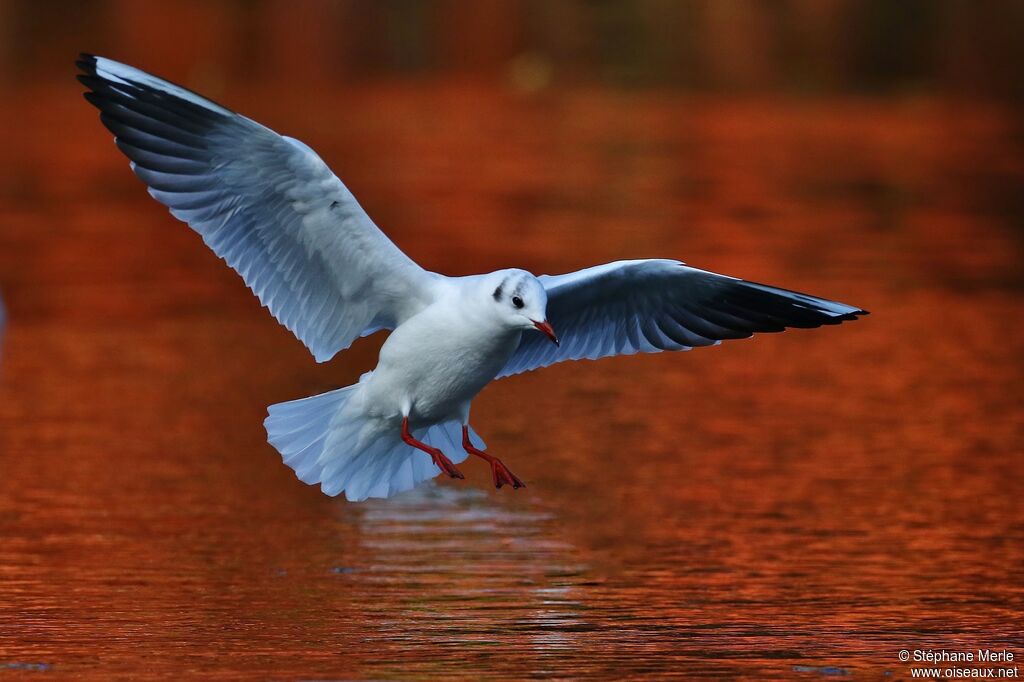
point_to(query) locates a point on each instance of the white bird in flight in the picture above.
(273, 210)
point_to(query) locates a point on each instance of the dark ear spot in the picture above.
(497, 293)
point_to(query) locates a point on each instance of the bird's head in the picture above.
(520, 301)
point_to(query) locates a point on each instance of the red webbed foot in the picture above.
(445, 464)
(439, 458)
(501, 473)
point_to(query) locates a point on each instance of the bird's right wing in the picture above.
(266, 204)
(647, 306)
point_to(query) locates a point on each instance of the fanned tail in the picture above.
(338, 448)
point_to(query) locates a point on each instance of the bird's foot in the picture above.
(440, 461)
(502, 475)
(444, 464)
(499, 471)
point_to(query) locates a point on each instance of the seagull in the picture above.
(273, 211)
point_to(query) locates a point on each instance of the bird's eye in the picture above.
(517, 302)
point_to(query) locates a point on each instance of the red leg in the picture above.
(442, 462)
(500, 472)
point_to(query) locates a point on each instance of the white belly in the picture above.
(432, 366)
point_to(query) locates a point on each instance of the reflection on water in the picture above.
(446, 560)
(797, 506)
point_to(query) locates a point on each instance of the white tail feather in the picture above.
(326, 444)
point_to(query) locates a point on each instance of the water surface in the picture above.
(797, 506)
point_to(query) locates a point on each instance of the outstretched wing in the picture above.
(647, 306)
(264, 203)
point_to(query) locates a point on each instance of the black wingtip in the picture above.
(855, 315)
(86, 62)
(846, 317)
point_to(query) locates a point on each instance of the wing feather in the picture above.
(266, 204)
(648, 306)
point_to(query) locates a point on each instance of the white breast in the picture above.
(435, 363)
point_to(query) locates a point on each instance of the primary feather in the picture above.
(266, 204)
(648, 306)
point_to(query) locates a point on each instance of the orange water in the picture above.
(797, 506)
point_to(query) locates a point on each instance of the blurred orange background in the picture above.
(792, 46)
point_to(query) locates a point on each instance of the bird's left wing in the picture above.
(647, 306)
(266, 204)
